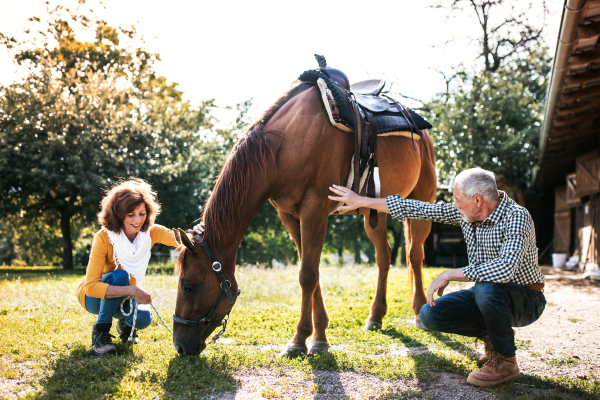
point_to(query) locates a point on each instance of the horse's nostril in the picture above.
(179, 348)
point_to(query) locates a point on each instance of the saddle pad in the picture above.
(387, 125)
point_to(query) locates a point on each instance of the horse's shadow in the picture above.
(81, 375)
(194, 376)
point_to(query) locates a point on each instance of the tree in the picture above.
(506, 27)
(492, 120)
(85, 113)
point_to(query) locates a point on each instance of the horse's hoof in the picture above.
(372, 326)
(293, 352)
(420, 324)
(317, 347)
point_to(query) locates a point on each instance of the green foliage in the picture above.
(86, 113)
(492, 120)
(347, 232)
(267, 239)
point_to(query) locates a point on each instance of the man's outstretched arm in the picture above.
(398, 207)
(352, 201)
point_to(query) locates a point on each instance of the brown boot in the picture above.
(497, 370)
(488, 348)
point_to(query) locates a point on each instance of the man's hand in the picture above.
(439, 284)
(353, 201)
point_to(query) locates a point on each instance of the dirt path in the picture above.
(564, 341)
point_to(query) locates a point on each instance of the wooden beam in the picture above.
(563, 120)
(588, 31)
(586, 57)
(561, 135)
(577, 108)
(579, 94)
(579, 79)
(583, 126)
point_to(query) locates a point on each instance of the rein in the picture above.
(225, 291)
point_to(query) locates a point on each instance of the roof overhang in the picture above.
(571, 124)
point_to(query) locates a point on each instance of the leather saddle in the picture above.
(369, 113)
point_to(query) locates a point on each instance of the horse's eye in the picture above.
(188, 287)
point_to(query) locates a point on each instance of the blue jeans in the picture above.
(107, 309)
(486, 309)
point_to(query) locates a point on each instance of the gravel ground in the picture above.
(565, 341)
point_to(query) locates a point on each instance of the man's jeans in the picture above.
(486, 309)
(107, 309)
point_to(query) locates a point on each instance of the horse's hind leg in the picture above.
(416, 232)
(383, 256)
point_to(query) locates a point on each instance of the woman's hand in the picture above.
(198, 229)
(351, 200)
(141, 296)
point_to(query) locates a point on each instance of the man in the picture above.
(502, 262)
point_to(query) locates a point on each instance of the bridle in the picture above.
(225, 291)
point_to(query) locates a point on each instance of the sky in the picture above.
(232, 51)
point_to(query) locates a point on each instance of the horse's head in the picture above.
(201, 304)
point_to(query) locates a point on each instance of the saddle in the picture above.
(361, 108)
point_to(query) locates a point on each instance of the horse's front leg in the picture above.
(312, 232)
(379, 238)
(319, 342)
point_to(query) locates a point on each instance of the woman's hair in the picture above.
(477, 181)
(125, 198)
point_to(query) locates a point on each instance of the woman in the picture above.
(118, 261)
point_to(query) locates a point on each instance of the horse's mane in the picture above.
(247, 159)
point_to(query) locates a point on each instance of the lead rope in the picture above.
(133, 309)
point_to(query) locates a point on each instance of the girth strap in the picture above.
(371, 166)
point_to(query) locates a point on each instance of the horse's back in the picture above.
(310, 151)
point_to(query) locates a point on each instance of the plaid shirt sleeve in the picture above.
(502, 268)
(441, 212)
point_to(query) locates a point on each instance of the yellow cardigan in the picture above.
(102, 262)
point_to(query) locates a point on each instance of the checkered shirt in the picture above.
(501, 248)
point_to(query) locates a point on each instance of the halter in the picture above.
(225, 290)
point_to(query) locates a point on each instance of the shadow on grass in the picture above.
(325, 368)
(32, 273)
(198, 376)
(427, 362)
(81, 375)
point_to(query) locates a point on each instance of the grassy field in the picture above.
(45, 338)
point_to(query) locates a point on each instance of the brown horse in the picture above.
(291, 156)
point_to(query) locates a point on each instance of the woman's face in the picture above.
(134, 220)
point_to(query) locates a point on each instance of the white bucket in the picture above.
(558, 260)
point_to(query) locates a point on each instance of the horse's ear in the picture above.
(177, 235)
(185, 240)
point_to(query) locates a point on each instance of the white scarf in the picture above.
(132, 257)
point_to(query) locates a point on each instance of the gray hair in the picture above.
(477, 181)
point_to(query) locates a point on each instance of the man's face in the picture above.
(468, 208)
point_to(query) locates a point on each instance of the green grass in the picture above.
(46, 338)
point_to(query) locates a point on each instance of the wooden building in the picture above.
(569, 172)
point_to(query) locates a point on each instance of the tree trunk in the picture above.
(341, 255)
(398, 236)
(65, 227)
(402, 247)
(357, 259)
